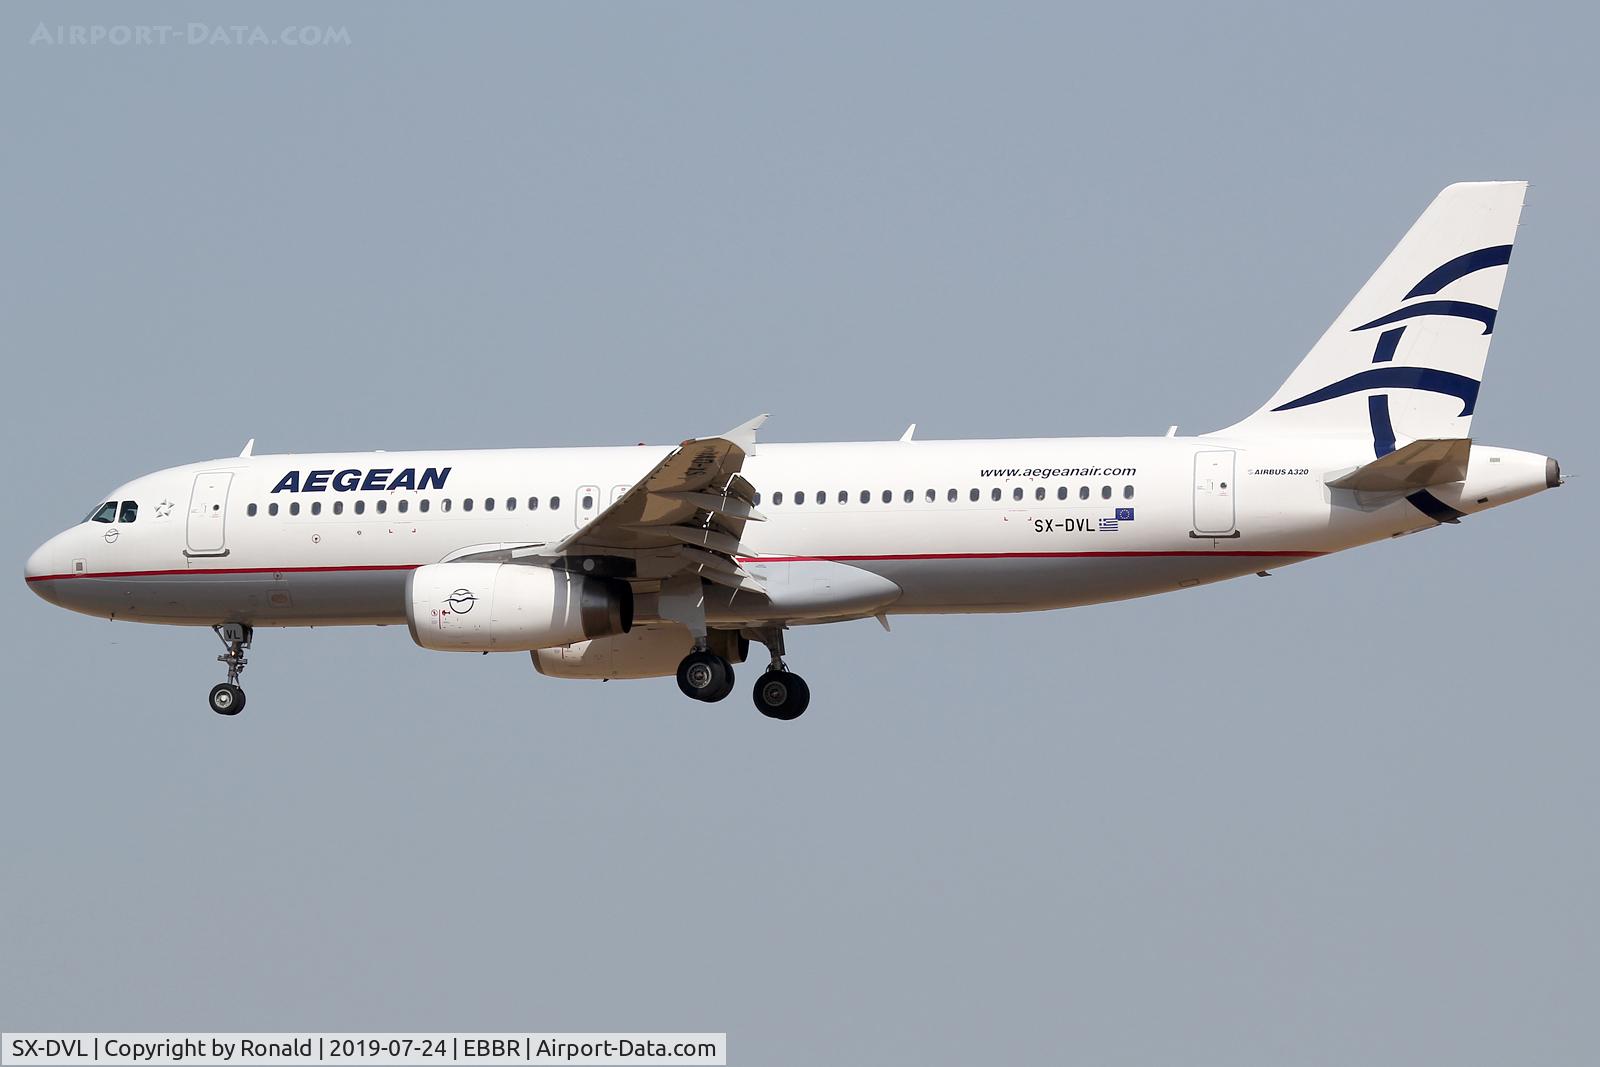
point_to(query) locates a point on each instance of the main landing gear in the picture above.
(226, 697)
(705, 676)
(778, 694)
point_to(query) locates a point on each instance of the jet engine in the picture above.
(511, 607)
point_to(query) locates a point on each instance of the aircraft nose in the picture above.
(41, 566)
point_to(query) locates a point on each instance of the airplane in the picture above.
(657, 561)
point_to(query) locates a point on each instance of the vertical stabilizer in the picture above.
(1405, 358)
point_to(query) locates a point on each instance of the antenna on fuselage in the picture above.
(909, 431)
(249, 448)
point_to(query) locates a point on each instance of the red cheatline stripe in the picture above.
(227, 570)
(1024, 555)
(1283, 554)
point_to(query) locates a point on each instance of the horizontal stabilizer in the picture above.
(1417, 465)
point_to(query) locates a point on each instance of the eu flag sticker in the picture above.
(1124, 514)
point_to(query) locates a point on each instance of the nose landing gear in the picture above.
(226, 697)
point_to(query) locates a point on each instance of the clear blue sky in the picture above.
(1345, 814)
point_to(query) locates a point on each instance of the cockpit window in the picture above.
(130, 511)
(103, 513)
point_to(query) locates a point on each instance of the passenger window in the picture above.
(402, 505)
(822, 496)
(931, 495)
(910, 495)
(383, 506)
(105, 513)
(316, 507)
(844, 496)
(294, 508)
(1038, 494)
(1083, 493)
(756, 500)
(466, 503)
(588, 502)
(866, 496)
(951, 497)
(777, 498)
(1127, 492)
(338, 507)
(1105, 492)
(361, 507)
(1061, 493)
(973, 496)
(1016, 494)
(130, 511)
(555, 503)
(250, 511)
(533, 503)
(444, 505)
(422, 505)
(488, 503)
(511, 503)
(272, 508)
(800, 497)
(994, 494)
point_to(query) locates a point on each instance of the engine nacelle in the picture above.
(511, 607)
(649, 652)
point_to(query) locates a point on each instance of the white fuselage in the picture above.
(229, 541)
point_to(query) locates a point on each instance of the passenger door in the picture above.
(1213, 493)
(208, 514)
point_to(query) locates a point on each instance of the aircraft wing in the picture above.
(686, 514)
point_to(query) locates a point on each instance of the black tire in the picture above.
(705, 676)
(727, 685)
(227, 699)
(781, 695)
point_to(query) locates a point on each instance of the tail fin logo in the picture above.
(1425, 379)
(1459, 309)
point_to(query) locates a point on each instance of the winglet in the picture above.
(249, 448)
(909, 431)
(744, 435)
